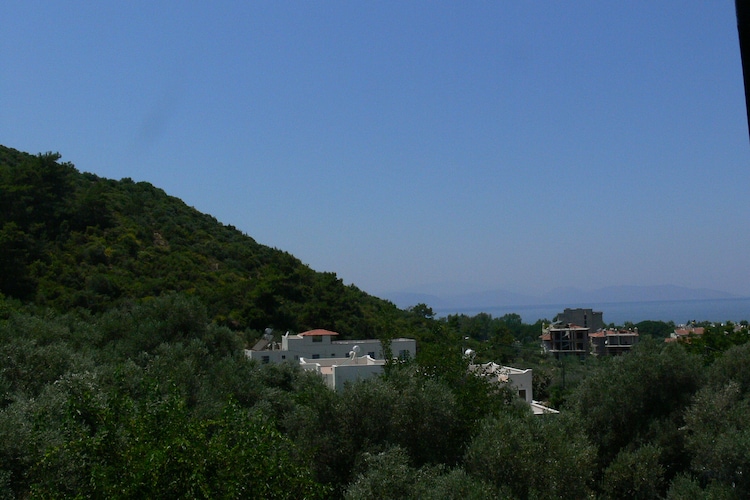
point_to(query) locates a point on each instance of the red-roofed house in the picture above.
(683, 333)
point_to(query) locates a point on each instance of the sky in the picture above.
(412, 145)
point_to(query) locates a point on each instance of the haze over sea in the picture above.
(679, 311)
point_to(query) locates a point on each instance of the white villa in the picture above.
(338, 371)
(518, 379)
(338, 361)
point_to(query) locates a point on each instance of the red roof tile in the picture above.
(312, 333)
(691, 331)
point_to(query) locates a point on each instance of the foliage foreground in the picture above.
(87, 412)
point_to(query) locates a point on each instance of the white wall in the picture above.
(337, 372)
(304, 347)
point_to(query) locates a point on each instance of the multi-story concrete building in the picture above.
(587, 318)
(613, 342)
(565, 339)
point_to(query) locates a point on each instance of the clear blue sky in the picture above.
(502, 144)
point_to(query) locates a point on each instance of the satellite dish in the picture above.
(469, 353)
(355, 349)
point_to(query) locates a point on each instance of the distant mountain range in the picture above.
(497, 298)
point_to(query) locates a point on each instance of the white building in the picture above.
(338, 361)
(319, 344)
(338, 371)
(518, 379)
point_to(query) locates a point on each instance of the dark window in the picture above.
(265, 360)
(317, 338)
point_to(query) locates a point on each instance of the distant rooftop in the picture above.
(318, 332)
(567, 326)
(620, 333)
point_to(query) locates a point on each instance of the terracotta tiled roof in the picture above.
(691, 331)
(620, 332)
(313, 333)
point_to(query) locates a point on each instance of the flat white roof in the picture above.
(539, 409)
(329, 362)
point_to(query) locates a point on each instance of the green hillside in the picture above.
(74, 240)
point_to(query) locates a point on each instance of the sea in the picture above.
(678, 311)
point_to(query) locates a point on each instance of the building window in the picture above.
(265, 360)
(317, 338)
(283, 356)
(316, 356)
(371, 354)
(522, 393)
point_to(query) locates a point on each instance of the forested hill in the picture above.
(75, 240)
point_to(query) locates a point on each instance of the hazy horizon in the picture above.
(446, 295)
(516, 146)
